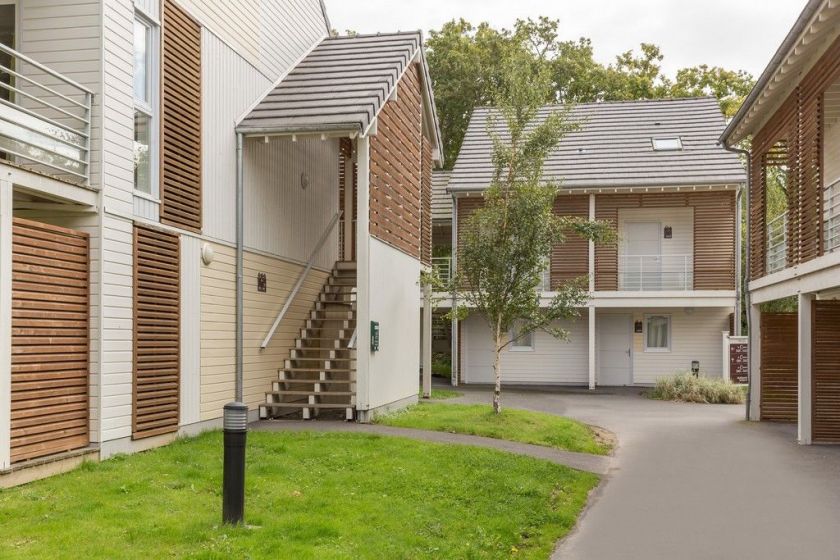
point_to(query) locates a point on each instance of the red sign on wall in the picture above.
(739, 365)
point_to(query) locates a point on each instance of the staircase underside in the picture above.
(319, 378)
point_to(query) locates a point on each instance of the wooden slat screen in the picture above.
(798, 123)
(50, 340)
(426, 203)
(779, 367)
(825, 371)
(181, 109)
(714, 240)
(156, 332)
(395, 155)
(570, 260)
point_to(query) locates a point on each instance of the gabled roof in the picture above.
(613, 147)
(441, 199)
(814, 31)
(341, 86)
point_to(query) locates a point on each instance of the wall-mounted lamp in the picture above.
(304, 181)
(207, 254)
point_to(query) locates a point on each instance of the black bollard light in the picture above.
(235, 425)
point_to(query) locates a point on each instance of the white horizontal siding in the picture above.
(832, 153)
(281, 216)
(551, 361)
(221, 106)
(695, 335)
(270, 34)
(681, 221)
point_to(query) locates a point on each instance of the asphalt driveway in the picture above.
(696, 482)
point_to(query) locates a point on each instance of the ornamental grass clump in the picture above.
(686, 387)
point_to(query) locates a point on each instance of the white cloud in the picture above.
(736, 34)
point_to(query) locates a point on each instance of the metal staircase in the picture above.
(320, 375)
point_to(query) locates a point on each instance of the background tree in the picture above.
(507, 242)
(463, 63)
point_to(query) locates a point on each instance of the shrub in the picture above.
(687, 388)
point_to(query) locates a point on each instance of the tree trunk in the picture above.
(497, 370)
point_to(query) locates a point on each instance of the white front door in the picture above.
(642, 256)
(614, 340)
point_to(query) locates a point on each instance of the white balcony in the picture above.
(655, 273)
(832, 216)
(44, 119)
(777, 243)
(443, 267)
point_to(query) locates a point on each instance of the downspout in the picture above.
(741, 292)
(240, 253)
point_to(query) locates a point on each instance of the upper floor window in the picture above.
(667, 144)
(145, 106)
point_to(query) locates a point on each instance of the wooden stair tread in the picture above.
(307, 405)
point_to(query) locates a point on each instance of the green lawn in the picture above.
(443, 394)
(515, 425)
(309, 496)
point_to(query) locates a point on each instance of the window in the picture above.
(667, 144)
(521, 342)
(657, 333)
(145, 106)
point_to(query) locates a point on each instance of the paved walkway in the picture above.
(582, 461)
(697, 482)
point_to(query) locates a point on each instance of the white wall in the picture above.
(281, 217)
(551, 361)
(394, 370)
(190, 329)
(270, 34)
(832, 153)
(694, 336)
(681, 221)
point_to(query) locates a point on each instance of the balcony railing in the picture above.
(443, 267)
(777, 243)
(44, 118)
(832, 216)
(650, 273)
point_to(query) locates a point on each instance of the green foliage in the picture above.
(525, 426)
(708, 390)
(309, 495)
(783, 305)
(443, 394)
(463, 63)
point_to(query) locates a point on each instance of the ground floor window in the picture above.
(521, 342)
(657, 333)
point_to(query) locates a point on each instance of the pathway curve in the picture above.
(597, 464)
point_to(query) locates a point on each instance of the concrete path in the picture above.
(696, 482)
(582, 461)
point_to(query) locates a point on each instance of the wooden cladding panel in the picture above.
(157, 327)
(50, 340)
(798, 125)
(779, 367)
(395, 168)
(714, 235)
(570, 260)
(426, 203)
(825, 371)
(181, 110)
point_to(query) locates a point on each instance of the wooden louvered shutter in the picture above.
(779, 367)
(570, 259)
(181, 138)
(714, 240)
(50, 309)
(156, 332)
(825, 385)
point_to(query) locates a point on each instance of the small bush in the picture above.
(687, 388)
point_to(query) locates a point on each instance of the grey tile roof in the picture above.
(613, 147)
(441, 199)
(339, 86)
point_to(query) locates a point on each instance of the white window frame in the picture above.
(647, 317)
(518, 346)
(656, 148)
(152, 108)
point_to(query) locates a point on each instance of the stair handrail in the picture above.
(352, 342)
(301, 277)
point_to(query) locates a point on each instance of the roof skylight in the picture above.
(667, 144)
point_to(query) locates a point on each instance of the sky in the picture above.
(735, 34)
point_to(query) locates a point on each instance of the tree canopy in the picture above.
(465, 71)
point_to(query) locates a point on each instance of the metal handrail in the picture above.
(352, 342)
(832, 216)
(443, 267)
(39, 66)
(656, 272)
(777, 243)
(301, 277)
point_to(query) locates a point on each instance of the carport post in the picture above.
(591, 345)
(754, 347)
(806, 310)
(5, 322)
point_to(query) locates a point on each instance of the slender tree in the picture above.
(507, 241)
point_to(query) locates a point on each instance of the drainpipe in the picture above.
(741, 290)
(240, 180)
